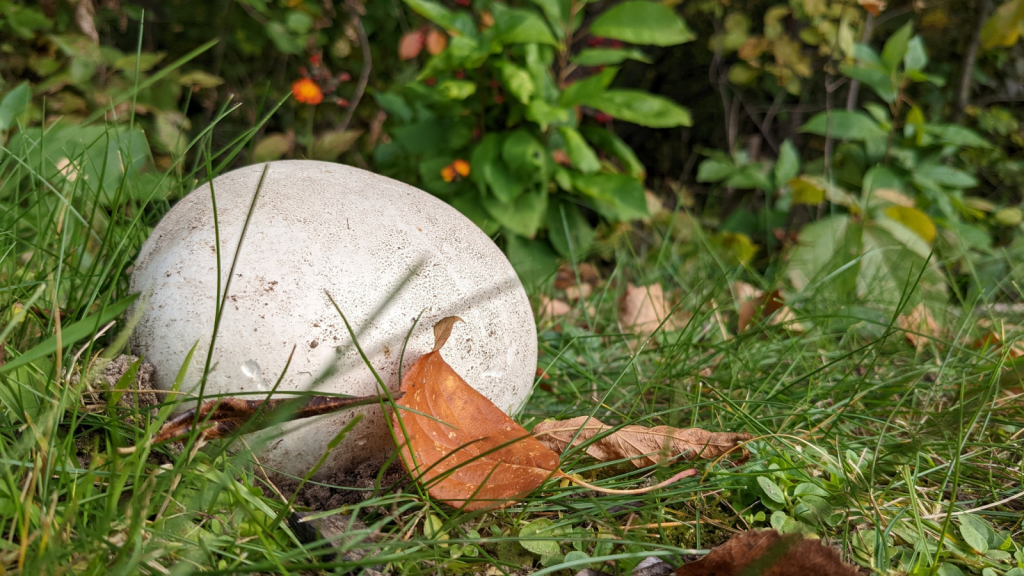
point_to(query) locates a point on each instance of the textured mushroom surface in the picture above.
(384, 250)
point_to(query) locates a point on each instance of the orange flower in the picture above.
(462, 167)
(307, 91)
(448, 173)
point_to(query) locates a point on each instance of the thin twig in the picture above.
(966, 73)
(364, 75)
(865, 37)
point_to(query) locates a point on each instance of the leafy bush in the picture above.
(518, 100)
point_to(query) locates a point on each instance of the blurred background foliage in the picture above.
(833, 149)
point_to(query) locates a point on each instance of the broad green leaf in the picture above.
(534, 261)
(844, 125)
(283, 39)
(893, 258)
(787, 166)
(523, 216)
(824, 248)
(750, 177)
(70, 334)
(201, 79)
(1011, 216)
(914, 219)
(145, 61)
(714, 170)
(957, 135)
(517, 81)
(974, 532)
(879, 81)
(641, 108)
(453, 89)
(470, 206)
(394, 105)
(568, 230)
(617, 197)
(524, 154)
(734, 247)
(581, 90)
(521, 26)
(436, 13)
(609, 56)
(545, 114)
(916, 57)
(541, 528)
(580, 153)
(771, 489)
(642, 22)
(896, 46)
(557, 13)
(332, 144)
(14, 104)
(929, 175)
(616, 148)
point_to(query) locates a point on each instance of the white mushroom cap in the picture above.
(384, 250)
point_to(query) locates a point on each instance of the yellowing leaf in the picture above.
(914, 219)
(806, 191)
(1003, 27)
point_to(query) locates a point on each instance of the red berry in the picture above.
(431, 81)
(594, 41)
(314, 59)
(603, 118)
(460, 74)
(499, 98)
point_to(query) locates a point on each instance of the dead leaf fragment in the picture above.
(220, 418)
(919, 326)
(552, 308)
(566, 276)
(460, 446)
(768, 553)
(995, 337)
(643, 446)
(436, 41)
(642, 309)
(411, 44)
(875, 7)
(85, 18)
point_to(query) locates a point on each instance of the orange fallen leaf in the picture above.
(643, 446)
(467, 452)
(642, 309)
(768, 553)
(464, 449)
(875, 7)
(919, 326)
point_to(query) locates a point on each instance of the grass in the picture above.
(906, 460)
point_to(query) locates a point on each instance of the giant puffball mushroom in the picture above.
(385, 251)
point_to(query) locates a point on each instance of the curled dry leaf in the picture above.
(753, 304)
(768, 553)
(919, 326)
(460, 446)
(222, 417)
(642, 309)
(411, 44)
(643, 446)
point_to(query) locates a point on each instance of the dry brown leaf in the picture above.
(747, 303)
(436, 41)
(459, 445)
(566, 276)
(85, 18)
(995, 338)
(643, 446)
(222, 417)
(875, 7)
(919, 326)
(552, 308)
(411, 44)
(767, 553)
(642, 309)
